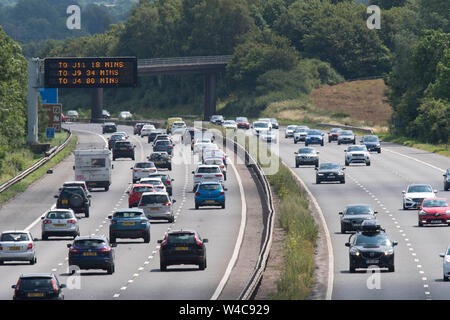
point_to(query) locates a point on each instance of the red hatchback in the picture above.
(434, 211)
(134, 195)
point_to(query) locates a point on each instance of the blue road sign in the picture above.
(50, 133)
(48, 95)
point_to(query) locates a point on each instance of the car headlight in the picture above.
(447, 259)
(354, 252)
(320, 174)
(341, 173)
(447, 212)
(408, 199)
(389, 252)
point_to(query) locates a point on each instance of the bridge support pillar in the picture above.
(210, 95)
(96, 105)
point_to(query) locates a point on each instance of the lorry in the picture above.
(94, 167)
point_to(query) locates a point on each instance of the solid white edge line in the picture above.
(411, 158)
(327, 235)
(31, 226)
(239, 240)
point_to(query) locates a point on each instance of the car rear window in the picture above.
(153, 199)
(155, 182)
(60, 215)
(89, 243)
(127, 214)
(36, 283)
(14, 237)
(163, 143)
(122, 144)
(143, 189)
(163, 177)
(67, 193)
(210, 186)
(177, 238)
(145, 165)
(208, 170)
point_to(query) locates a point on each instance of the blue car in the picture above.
(91, 252)
(130, 224)
(314, 137)
(372, 143)
(210, 194)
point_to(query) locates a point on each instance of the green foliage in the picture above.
(433, 121)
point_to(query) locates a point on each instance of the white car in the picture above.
(358, 154)
(143, 170)
(215, 154)
(230, 124)
(265, 120)
(200, 144)
(17, 246)
(300, 133)
(72, 114)
(346, 136)
(289, 132)
(147, 129)
(157, 205)
(123, 133)
(59, 223)
(218, 162)
(446, 264)
(268, 136)
(260, 126)
(178, 127)
(157, 183)
(125, 115)
(207, 173)
(414, 195)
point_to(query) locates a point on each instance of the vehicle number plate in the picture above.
(59, 225)
(64, 201)
(89, 253)
(208, 178)
(436, 221)
(210, 201)
(123, 148)
(128, 223)
(35, 294)
(154, 209)
(374, 261)
(182, 248)
(159, 162)
(14, 248)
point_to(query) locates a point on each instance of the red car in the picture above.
(134, 195)
(333, 134)
(434, 211)
(242, 123)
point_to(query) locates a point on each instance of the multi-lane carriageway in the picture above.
(137, 274)
(418, 274)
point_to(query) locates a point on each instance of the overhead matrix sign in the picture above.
(90, 72)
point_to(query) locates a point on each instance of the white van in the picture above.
(94, 167)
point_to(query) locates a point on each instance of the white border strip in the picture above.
(414, 159)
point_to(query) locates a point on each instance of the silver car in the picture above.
(207, 173)
(446, 264)
(157, 183)
(143, 170)
(157, 205)
(17, 246)
(59, 223)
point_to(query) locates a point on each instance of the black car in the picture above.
(182, 247)
(138, 127)
(123, 149)
(370, 246)
(372, 143)
(151, 137)
(161, 160)
(188, 135)
(447, 180)
(217, 119)
(163, 146)
(109, 127)
(354, 215)
(38, 286)
(112, 140)
(330, 172)
(91, 252)
(74, 198)
(166, 179)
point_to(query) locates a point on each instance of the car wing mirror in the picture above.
(341, 213)
(110, 217)
(435, 191)
(13, 286)
(347, 244)
(442, 255)
(56, 196)
(89, 196)
(403, 192)
(159, 241)
(205, 240)
(43, 217)
(69, 245)
(113, 245)
(394, 243)
(375, 212)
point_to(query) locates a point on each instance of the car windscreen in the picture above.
(60, 215)
(241, 120)
(354, 210)
(208, 170)
(143, 165)
(154, 199)
(335, 130)
(177, 238)
(143, 189)
(346, 133)
(314, 133)
(368, 240)
(210, 186)
(412, 189)
(300, 130)
(329, 166)
(356, 148)
(306, 150)
(434, 203)
(36, 283)
(291, 127)
(370, 139)
(14, 236)
(261, 125)
(89, 243)
(128, 214)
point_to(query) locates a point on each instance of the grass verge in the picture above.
(22, 185)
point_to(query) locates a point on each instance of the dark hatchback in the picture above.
(372, 143)
(166, 179)
(91, 252)
(182, 247)
(38, 286)
(109, 127)
(163, 146)
(370, 246)
(151, 137)
(161, 160)
(354, 215)
(112, 140)
(74, 198)
(138, 127)
(123, 149)
(330, 172)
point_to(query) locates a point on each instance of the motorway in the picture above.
(137, 274)
(418, 273)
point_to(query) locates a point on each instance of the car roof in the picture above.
(435, 199)
(60, 210)
(214, 158)
(75, 181)
(419, 184)
(142, 185)
(16, 231)
(159, 193)
(37, 275)
(95, 237)
(130, 210)
(208, 166)
(181, 231)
